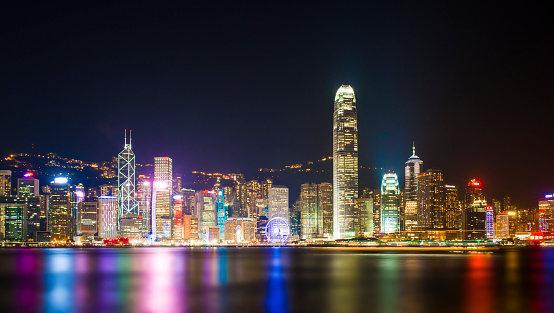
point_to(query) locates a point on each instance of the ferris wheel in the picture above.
(277, 230)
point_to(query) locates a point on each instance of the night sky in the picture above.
(238, 86)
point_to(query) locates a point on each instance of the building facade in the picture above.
(345, 164)
(390, 204)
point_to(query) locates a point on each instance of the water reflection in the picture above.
(478, 295)
(58, 281)
(276, 298)
(274, 280)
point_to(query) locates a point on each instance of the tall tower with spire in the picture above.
(128, 207)
(411, 172)
(345, 164)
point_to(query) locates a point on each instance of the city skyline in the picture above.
(470, 87)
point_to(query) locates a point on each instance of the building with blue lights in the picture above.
(390, 204)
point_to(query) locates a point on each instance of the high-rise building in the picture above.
(431, 200)
(128, 206)
(59, 209)
(28, 185)
(390, 204)
(316, 205)
(475, 212)
(108, 211)
(546, 213)
(345, 164)
(279, 202)
(178, 217)
(325, 202)
(376, 211)
(411, 172)
(309, 215)
(452, 207)
(5, 182)
(161, 197)
(144, 198)
(206, 209)
(365, 216)
(88, 220)
(221, 212)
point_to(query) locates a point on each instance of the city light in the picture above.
(549, 196)
(60, 180)
(28, 175)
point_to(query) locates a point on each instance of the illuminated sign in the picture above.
(60, 180)
(549, 196)
(160, 185)
(146, 183)
(28, 175)
(511, 213)
(177, 197)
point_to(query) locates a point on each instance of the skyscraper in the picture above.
(5, 182)
(390, 204)
(345, 163)
(279, 202)
(431, 198)
(107, 221)
(161, 196)
(411, 172)
(59, 209)
(127, 204)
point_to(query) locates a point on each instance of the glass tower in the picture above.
(161, 194)
(390, 204)
(411, 172)
(345, 164)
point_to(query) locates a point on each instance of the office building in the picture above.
(279, 202)
(88, 220)
(28, 185)
(431, 200)
(5, 182)
(205, 208)
(107, 221)
(161, 198)
(412, 170)
(365, 217)
(59, 210)
(546, 213)
(390, 204)
(130, 221)
(345, 164)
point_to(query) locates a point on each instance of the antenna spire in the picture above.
(413, 148)
(125, 136)
(130, 138)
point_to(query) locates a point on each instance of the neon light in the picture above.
(177, 197)
(27, 175)
(60, 180)
(512, 213)
(146, 183)
(549, 196)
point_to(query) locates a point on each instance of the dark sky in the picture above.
(238, 86)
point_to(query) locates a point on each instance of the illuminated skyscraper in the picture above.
(345, 164)
(107, 221)
(365, 216)
(411, 172)
(205, 208)
(5, 182)
(390, 204)
(161, 196)
(130, 224)
(28, 185)
(452, 207)
(279, 202)
(546, 213)
(144, 198)
(431, 200)
(59, 209)
(475, 212)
